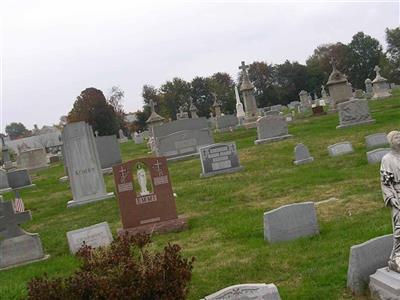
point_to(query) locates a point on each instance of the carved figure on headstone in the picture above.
(142, 180)
(390, 184)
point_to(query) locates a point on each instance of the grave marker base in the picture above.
(74, 203)
(355, 124)
(304, 161)
(224, 171)
(3, 191)
(175, 225)
(385, 284)
(272, 139)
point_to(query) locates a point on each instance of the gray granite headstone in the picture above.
(250, 291)
(19, 179)
(376, 140)
(290, 222)
(183, 144)
(94, 236)
(4, 186)
(138, 138)
(17, 246)
(375, 156)
(83, 164)
(354, 112)
(32, 159)
(226, 122)
(302, 155)
(108, 149)
(219, 158)
(340, 149)
(179, 125)
(365, 259)
(271, 129)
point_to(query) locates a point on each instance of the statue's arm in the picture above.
(389, 194)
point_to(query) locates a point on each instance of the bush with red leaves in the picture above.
(124, 270)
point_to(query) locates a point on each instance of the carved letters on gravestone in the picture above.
(146, 201)
(83, 164)
(376, 140)
(375, 156)
(354, 112)
(271, 128)
(17, 246)
(219, 158)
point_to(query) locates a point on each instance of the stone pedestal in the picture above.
(354, 112)
(20, 250)
(385, 285)
(174, 225)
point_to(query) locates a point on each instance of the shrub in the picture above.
(126, 269)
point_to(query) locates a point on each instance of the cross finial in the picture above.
(333, 62)
(9, 220)
(243, 67)
(151, 103)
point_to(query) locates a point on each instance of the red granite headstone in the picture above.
(146, 203)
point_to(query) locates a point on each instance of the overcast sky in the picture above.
(51, 50)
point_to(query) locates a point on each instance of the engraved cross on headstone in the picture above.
(124, 174)
(10, 220)
(158, 168)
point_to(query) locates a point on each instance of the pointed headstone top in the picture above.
(336, 76)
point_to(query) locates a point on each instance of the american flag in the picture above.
(18, 204)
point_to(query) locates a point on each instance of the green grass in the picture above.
(226, 212)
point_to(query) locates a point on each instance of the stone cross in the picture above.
(9, 220)
(151, 103)
(243, 67)
(333, 63)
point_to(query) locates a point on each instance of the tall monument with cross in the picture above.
(380, 85)
(154, 119)
(250, 105)
(17, 246)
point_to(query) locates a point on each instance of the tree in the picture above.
(16, 130)
(261, 75)
(201, 94)
(92, 107)
(364, 54)
(173, 94)
(115, 100)
(223, 86)
(392, 71)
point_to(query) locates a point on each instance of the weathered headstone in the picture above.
(83, 164)
(219, 158)
(5, 154)
(376, 140)
(302, 155)
(290, 222)
(122, 137)
(375, 156)
(271, 129)
(340, 149)
(339, 88)
(109, 151)
(226, 122)
(354, 112)
(380, 85)
(54, 159)
(250, 104)
(94, 236)
(365, 259)
(368, 88)
(19, 179)
(4, 186)
(146, 201)
(318, 110)
(32, 159)
(17, 246)
(250, 291)
(138, 138)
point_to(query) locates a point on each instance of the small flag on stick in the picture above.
(18, 204)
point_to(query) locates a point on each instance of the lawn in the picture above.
(226, 212)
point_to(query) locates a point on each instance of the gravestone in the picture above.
(32, 159)
(290, 222)
(17, 246)
(218, 159)
(376, 140)
(226, 122)
(94, 236)
(5, 154)
(375, 156)
(318, 111)
(302, 155)
(250, 291)
(138, 138)
(54, 159)
(145, 197)
(271, 129)
(380, 85)
(4, 186)
(365, 259)
(250, 104)
(340, 149)
(354, 112)
(83, 165)
(109, 152)
(368, 88)
(19, 179)
(122, 137)
(339, 88)
(384, 284)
